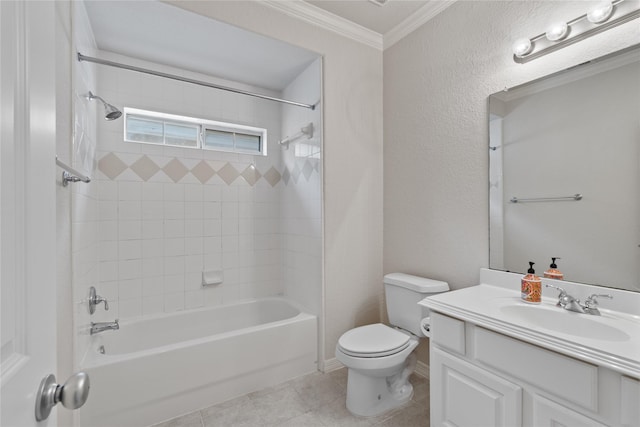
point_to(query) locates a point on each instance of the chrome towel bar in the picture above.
(575, 197)
(70, 174)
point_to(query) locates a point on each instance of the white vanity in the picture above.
(497, 361)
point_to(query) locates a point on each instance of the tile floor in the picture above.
(314, 400)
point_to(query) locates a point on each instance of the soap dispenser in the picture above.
(531, 286)
(553, 272)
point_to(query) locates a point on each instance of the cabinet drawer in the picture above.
(541, 368)
(447, 332)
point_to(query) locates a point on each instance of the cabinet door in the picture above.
(548, 413)
(464, 395)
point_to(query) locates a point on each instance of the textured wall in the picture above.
(436, 163)
(352, 167)
(436, 84)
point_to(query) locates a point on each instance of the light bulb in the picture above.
(600, 13)
(557, 31)
(521, 47)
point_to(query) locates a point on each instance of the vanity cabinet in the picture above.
(480, 377)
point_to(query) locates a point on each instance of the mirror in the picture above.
(564, 157)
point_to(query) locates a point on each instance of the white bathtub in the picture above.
(158, 368)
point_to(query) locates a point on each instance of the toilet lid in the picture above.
(375, 340)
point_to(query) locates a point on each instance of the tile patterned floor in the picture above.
(315, 400)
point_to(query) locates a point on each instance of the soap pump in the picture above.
(553, 272)
(531, 290)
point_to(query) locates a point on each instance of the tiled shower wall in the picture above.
(167, 214)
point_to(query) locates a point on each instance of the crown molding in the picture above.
(327, 20)
(412, 22)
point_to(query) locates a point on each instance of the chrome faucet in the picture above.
(568, 302)
(591, 303)
(97, 327)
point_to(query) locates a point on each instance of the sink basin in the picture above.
(556, 319)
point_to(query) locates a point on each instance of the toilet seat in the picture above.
(371, 341)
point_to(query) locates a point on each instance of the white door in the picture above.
(27, 207)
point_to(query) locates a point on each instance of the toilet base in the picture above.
(369, 396)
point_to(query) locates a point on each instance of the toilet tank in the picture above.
(403, 292)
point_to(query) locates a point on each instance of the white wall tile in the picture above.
(194, 263)
(174, 247)
(130, 308)
(130, 191)
(174, 228)
(129, 269)
(129, 289)
(152, 248)
(130, 249)
(152, 229)
(173, 302)
(174, 283)
(174, 265)
(152, 191)
(129, 230)
(173, 209)
(152, 304)
(152, 209)
(194, 299)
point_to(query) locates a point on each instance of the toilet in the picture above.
(380, 358)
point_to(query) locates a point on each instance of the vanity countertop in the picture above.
(611, 340)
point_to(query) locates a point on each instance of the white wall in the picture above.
(352, 164)
(436, 84)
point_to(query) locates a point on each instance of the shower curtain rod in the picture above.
(82, 57)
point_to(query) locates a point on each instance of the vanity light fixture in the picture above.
(557, 31)
(600, 12)
(603, 16)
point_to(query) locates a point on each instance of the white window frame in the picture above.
(203, 126)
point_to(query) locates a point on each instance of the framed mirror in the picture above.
(564, 156)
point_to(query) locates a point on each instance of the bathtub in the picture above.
(157, 368)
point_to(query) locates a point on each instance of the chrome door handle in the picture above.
(73, 394)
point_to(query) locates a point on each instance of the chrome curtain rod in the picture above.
(82, 57)
(575, 197)
(69, 174)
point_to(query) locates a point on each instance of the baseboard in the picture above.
(422, 369)
(332, 365)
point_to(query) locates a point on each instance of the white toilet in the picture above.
(378, 356)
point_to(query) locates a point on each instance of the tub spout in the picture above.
(97, 327)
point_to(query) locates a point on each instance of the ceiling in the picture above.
(165, 34)
(368, 14)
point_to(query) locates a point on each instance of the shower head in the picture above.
(110, 112)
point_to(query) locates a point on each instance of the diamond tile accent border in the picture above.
(175, 170)
(203, 171)
(251, 175)
(228, 173)
(111, 166)
(145, 168)
(272, 176)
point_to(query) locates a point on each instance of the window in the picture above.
(150, 127)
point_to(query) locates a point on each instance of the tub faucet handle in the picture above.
(95, 299)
